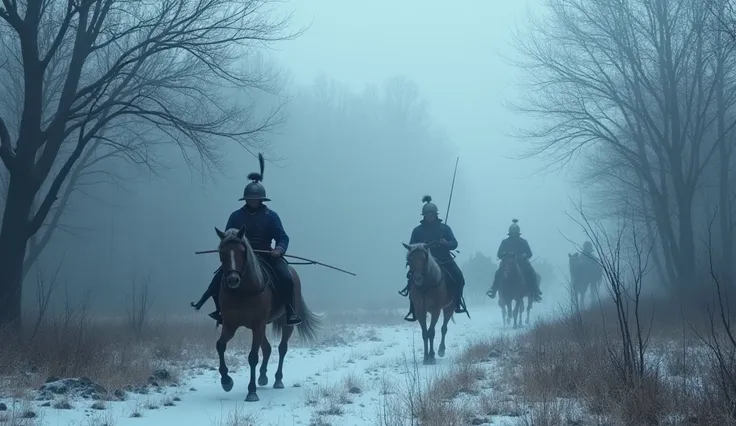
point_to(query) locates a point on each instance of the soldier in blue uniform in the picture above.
(520, 247)
(262, 225)
(432, 230)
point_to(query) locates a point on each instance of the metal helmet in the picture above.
(429, 208)
(514, 228)
(587, 247)
(255, 190)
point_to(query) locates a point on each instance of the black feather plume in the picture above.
(258, 177)
(515, 220)
(426, 198)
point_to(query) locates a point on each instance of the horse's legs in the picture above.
(422, 317)
(434, 317)
(515, 312)
(259, 333)
(226, 334)
(266, 349)
(529, 308)
(283, 347)
(446, 315)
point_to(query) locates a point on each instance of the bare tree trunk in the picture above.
(13, 242)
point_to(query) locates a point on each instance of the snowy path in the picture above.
(317, 380)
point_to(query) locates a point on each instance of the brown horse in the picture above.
(513, 288)
(429, 294)
(248, 299)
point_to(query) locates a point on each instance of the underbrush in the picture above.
(680, 381)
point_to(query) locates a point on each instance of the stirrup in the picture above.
(405, 291)
(293, 320)
(412, 319)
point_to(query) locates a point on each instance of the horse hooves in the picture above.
(227, 383)
(441, 352)
(252, 397)
(278, 385)
(430, 361)
(262, 380)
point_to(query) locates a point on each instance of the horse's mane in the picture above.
(252, 267)
(434, 272)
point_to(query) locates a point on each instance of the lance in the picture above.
(308, 261)
(452, 189)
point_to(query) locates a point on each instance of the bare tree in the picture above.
(159, 72)
(625, 263)
(638, 81)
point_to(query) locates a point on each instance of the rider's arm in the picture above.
(527, 249)
(414, 237)
(234, 220)
(501, 249)
(279, 235)
(450, 237)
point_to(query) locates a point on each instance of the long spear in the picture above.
(452, 189)
(308, 261)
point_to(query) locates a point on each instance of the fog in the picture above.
(377, 100)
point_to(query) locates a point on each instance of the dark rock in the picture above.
(83, 387)
(355, 390)
(3, 407)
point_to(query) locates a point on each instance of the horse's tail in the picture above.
(310, 325)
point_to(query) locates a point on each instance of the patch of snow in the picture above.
(345, 384)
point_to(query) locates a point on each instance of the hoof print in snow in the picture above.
(355, 390)
(297, 385)
(478, 421)
(193, 389)
(176, 399)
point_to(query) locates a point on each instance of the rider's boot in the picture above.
(410, 316)
(537, 291)
(494, 288)
(292, 318)
(460, 308)
(405, 291)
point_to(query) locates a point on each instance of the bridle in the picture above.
(226, 271)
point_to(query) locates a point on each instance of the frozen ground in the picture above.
(345, 385)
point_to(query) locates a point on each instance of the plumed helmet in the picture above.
(429, 207)
(587, 247)
(255, 190)
(514, 228)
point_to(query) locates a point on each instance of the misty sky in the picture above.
(324, 189)
(456, 54)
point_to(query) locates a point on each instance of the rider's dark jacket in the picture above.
(516, 245)
(433, 232)
(261, 226)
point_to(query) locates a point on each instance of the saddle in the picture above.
(270, 276)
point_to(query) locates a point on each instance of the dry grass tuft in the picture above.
(239, 417)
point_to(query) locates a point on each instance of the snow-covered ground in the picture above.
(349, 384)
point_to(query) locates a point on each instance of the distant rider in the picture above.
(520, 247)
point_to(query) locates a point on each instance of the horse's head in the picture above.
(234, 250)
(508, 263)
(418, 258)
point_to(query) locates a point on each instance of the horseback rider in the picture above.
(262, 225)
(431, 230)
(588, 258)
(520, 247)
